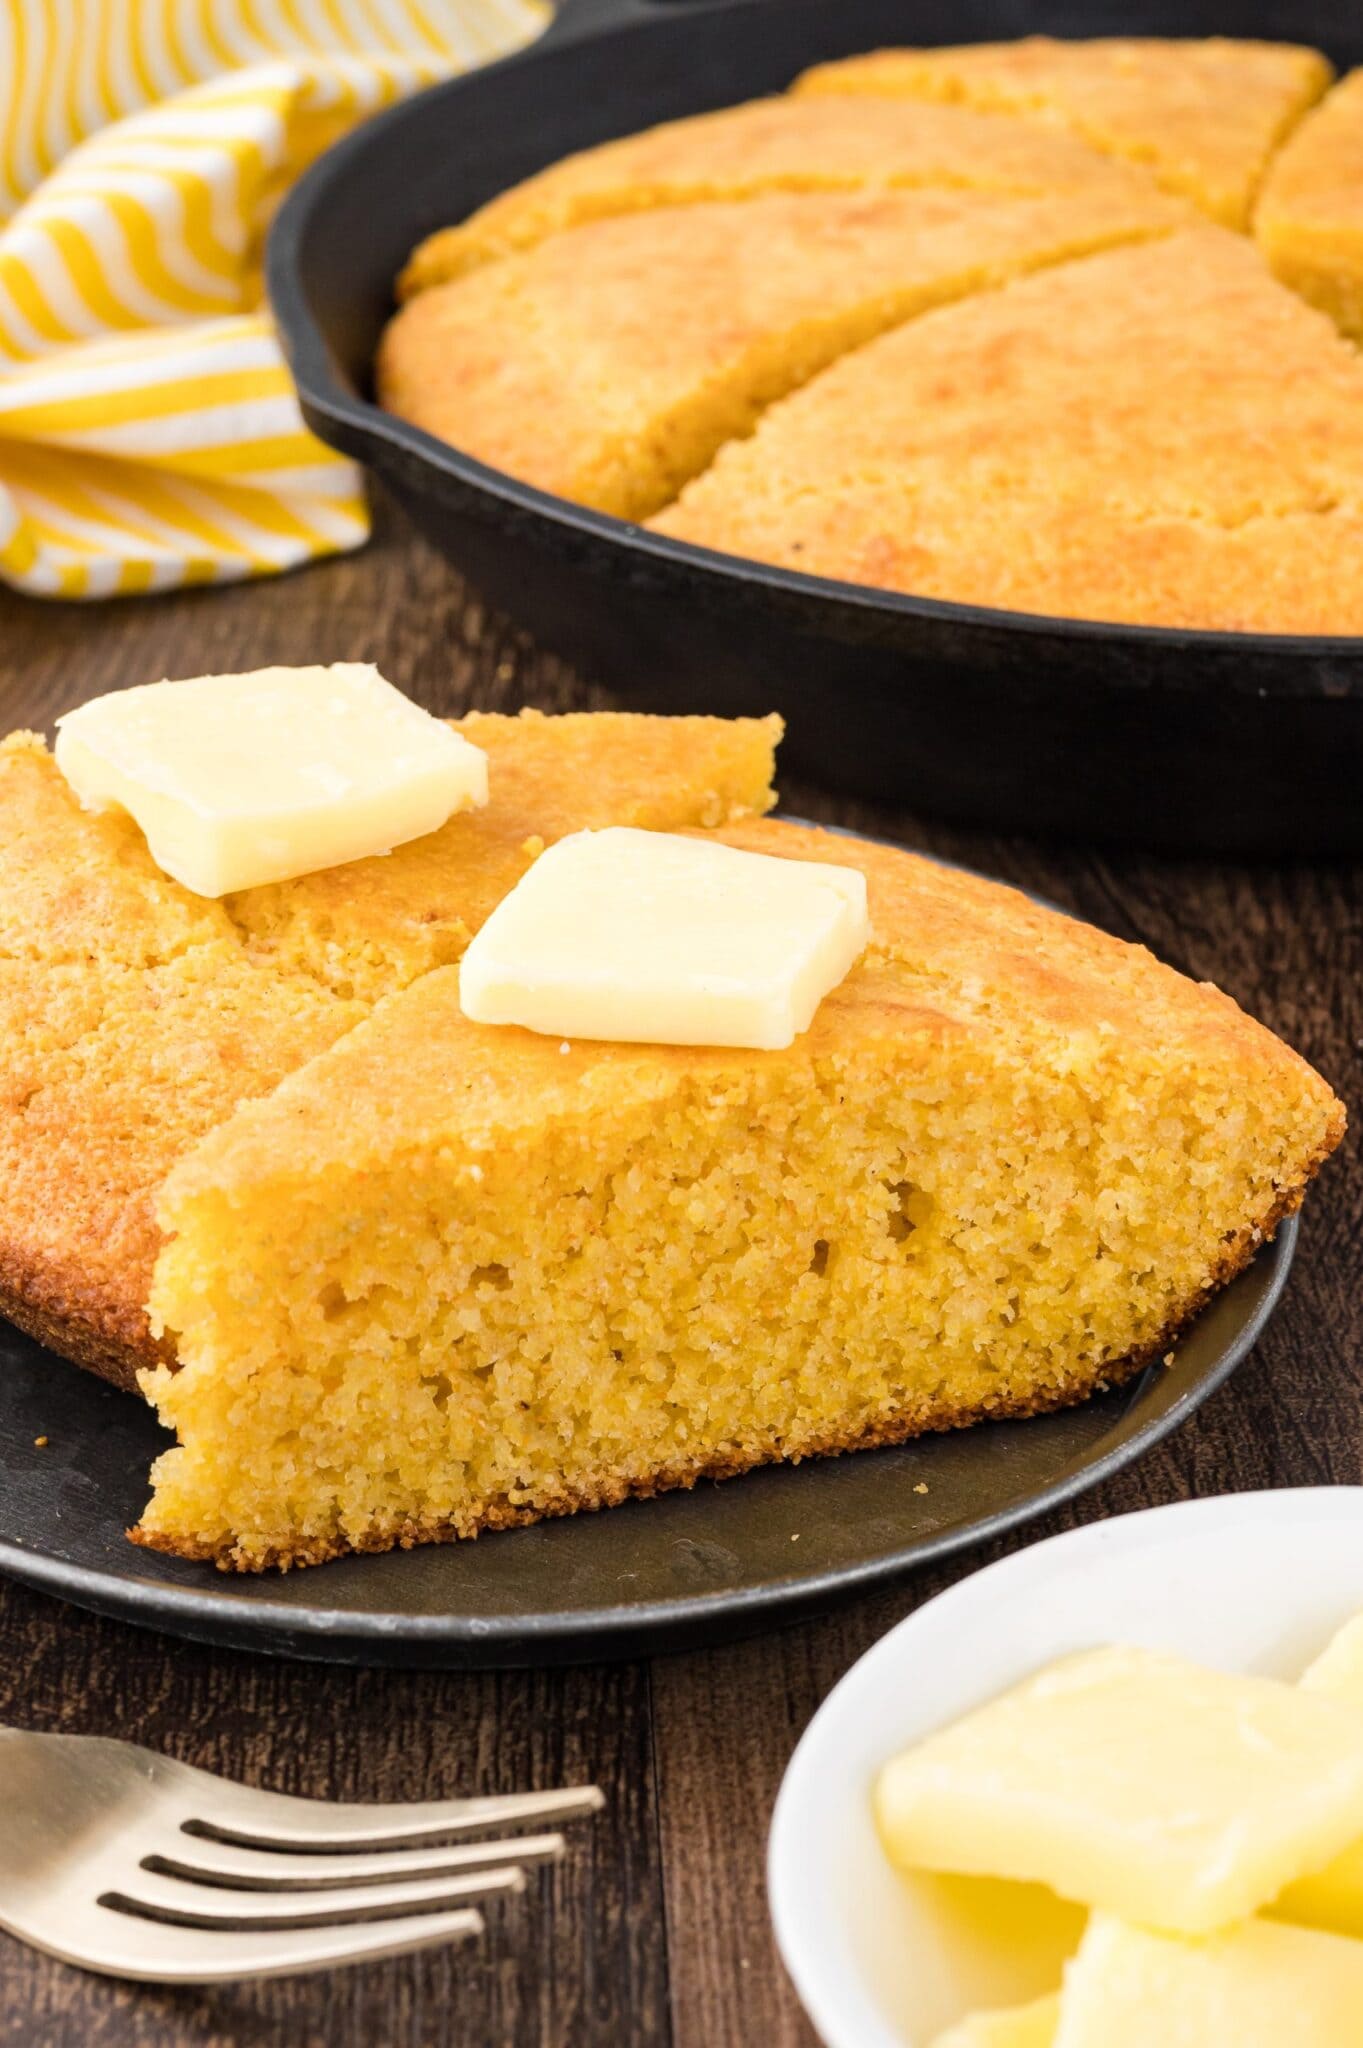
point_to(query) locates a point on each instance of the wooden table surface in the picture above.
(655, 1930)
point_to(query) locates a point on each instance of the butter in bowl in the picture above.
(1103, 1793)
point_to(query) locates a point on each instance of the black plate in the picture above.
(1186, 740)
(684, 1569)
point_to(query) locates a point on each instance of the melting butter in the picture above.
(240, 780)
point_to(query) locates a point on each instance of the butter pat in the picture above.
(1258, 1986)
(656, 938)
(1333, 1897)
(1021, 2026)
(239, 780)
(1180, 1798)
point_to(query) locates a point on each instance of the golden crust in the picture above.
(610, 363)
(134, 1016)
(953, 953)
(1203, 116)
(763, 147)
(1161, 435)
(1309, 218)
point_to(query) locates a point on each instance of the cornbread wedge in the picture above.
(761, 147)
(1203, 117)
(1309, 219)
(134, 1016)
(680, 327)
(1160, 434)
(452, 1277)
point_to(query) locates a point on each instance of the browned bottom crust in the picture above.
(503, 1514)
(87, 1331)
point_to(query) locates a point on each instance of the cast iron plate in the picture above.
(664, 1574)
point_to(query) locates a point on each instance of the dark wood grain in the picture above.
(655, 1931)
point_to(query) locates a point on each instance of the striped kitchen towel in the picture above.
(149, 432)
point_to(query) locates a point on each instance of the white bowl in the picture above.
(1247, 1582)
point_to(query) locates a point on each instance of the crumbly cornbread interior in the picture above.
(451, 1277)
(1089, 441)
(134, 1016)
(616, 327)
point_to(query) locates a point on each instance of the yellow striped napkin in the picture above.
(149, 433)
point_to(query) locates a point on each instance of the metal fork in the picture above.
(126, 1862)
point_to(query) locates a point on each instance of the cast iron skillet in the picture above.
(1185, 740)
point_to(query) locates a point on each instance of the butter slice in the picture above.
(658, 938)
(239, 780)
(1260, 1985)
(1333, 1897)
(1131, 1781)
(1020, 2026)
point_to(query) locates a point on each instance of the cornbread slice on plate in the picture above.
(766, 146)
(1203, 117)
(611, 362)
(1309, 219)
(134, 1016)
(452, 1277)
(1160, 434)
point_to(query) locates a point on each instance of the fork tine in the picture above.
(208, 1861)
(163, 1954)
(271, 1820)
(155, 1897)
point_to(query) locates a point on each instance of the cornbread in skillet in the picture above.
(452, 1277)
(134, 1016)
(1161, 434)
(765, 146)
(681, 326)
(1203, 116)
(636, 311)
(1309, 219)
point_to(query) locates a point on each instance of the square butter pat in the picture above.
(239, 780)
(1020, 2026)
(1333, 1897)
(660, 939)
(1132, 1781)
(1257, 1986)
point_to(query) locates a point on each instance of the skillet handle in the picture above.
(574, 19)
